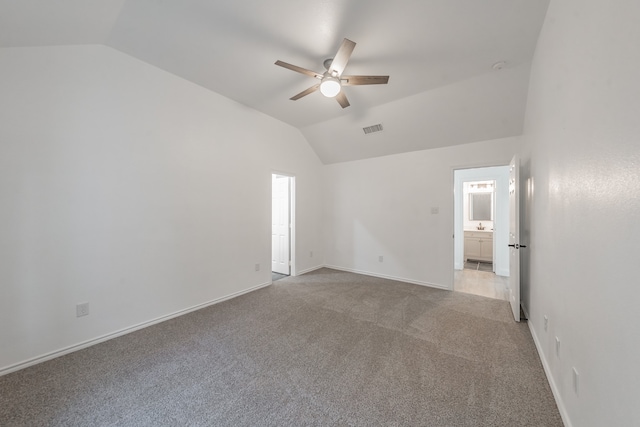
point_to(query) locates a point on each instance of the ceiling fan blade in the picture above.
(342, 56)
(299, 69)
(305, 92)
(363, 80)
(342, 99)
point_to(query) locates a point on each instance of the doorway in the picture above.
(481, 231)
(281, 225)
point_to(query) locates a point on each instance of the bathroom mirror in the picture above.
(480, 206)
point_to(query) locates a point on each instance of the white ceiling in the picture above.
(438, 54)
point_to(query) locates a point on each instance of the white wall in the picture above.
(582, 158)
(132, 189)
(382, 207)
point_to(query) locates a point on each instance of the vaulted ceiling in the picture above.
(438, 53)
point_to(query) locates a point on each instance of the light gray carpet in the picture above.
(326, 348)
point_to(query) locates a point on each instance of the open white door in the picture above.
(514, 237)
(280, 224)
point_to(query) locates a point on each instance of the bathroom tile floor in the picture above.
(479, 265)
(277, 276)
(483, 283)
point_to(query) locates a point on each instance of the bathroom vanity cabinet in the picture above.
(478, 245)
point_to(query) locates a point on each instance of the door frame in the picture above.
(455, 196)
(292, 218)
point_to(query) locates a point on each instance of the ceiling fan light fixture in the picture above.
(330, 86)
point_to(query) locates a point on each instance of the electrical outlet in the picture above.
(435, 210)
(82, 309)
(546, 323)
(310, 254)
(381, 258)
(575, 381)
(557, 346)
(257, 267)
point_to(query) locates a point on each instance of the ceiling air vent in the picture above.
(372, 129)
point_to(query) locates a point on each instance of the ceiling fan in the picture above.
(332, 80)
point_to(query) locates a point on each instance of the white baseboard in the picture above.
(547, 370)
(88, 343)
(385, 276)
(308, 270)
